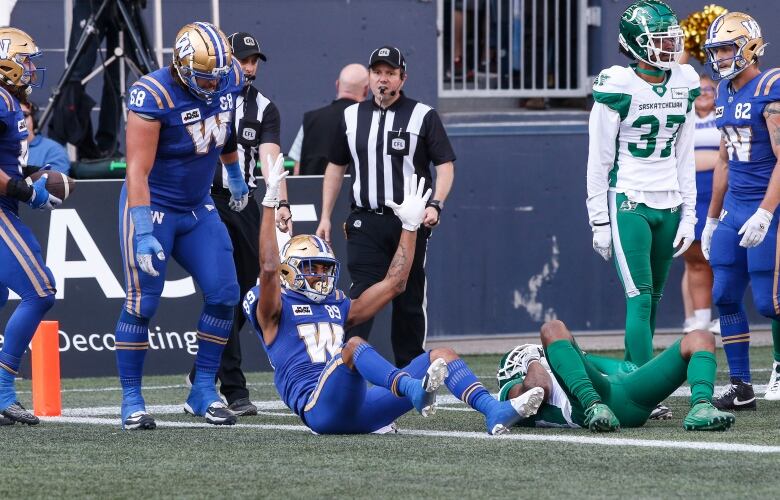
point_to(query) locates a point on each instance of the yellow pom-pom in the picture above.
(695, 28)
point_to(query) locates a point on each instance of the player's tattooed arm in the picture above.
(380, 294)
(772, 118)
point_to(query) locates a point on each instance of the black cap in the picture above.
(389, 55)
(245, 45)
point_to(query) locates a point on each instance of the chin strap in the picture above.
(649, 72)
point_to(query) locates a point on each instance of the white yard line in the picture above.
(146, 388)
(574, 439)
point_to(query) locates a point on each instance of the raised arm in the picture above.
(269, 305)
(411, 213)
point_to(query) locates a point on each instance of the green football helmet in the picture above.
(514, 364)
(650, 32)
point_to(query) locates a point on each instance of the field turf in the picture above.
(86, 455)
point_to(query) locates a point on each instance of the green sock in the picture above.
(639, 337)
(701, 376)
(566, 362)
(776, 339)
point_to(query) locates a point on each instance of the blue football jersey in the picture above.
(739, 117)
(309, 334)
(13, 143)
(192, 135)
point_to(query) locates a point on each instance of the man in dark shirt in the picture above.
(320, 126)
(384, 141)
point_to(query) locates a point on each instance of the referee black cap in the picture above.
(245, 45)
(389, 55)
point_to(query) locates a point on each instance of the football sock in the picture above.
(132, 342)
(776, 339)
(639, 337)
(655, 299)
(701, 376)
(735, 333)
(377, 370)
(567, 364)
(22, 325)
(703, 316)
(7, 376)
(214, 328)
(462, 383)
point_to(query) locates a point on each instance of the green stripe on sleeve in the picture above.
(616, 102)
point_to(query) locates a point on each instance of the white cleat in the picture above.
(773, 387)
(433, 379)
(510, 412)
(528, 403)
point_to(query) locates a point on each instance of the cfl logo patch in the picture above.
(249, 134)
(384, 52)
(398, 144)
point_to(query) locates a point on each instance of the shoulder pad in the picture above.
(614, 79)
(611, 88)
(150, 96)
(768, 88)
(7, 101)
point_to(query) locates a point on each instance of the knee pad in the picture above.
(220, 311)
(146, 309)
(131, 319)
(765, 304)
(227, 294)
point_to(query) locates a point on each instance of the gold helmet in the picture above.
(740, 31)
(298, 258)
(202, 53)
(17, 49)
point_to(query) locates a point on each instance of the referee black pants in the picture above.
(243, 228)
(372, 240)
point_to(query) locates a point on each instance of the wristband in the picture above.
(435, 204)
(284, 204)
(19, 190)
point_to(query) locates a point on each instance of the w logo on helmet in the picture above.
(754, 31)
(5, 45)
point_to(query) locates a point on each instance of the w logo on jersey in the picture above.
(214, 127)
(157, 216)
(323, 340)
(5, 45)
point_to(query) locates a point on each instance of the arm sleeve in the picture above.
(339, 151)
(295, 149)
(436, 140)
(270, 125)
(686, 166)
(231, 145)
(603, 129)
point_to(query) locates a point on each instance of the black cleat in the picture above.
(17, 413)
(6, 421)
(139, 420)
(243, 407)
(661, 412)
(738, 397)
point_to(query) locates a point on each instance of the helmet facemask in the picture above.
(201, 53)
(653, 43)
(190, 78)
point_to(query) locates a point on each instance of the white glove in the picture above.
(412, 210)
(602, 241)
(706, 236)
(686, 234)
(755, 228)
(276, 174)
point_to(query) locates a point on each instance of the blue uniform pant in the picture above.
(733, 266)
(342, 402)
(198, 240)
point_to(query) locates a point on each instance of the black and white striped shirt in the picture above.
(382, 146)
(256, 122)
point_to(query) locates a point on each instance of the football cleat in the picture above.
(139, 420)
(738, 396)
(660, 412)
(6, 421)
(424, 397)
(508, 413)
(243, 407)
(705, 417)
(599, 418)
(773, 387)
(217, 413)
(17, 413)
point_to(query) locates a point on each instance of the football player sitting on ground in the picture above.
(604, 394)
(300, 318)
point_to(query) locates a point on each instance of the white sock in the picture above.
(703, 316)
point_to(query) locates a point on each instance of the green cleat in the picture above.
(599, 418)
(705, 417)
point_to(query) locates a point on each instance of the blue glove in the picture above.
(146, 244)
(41, 197)
(239, 191)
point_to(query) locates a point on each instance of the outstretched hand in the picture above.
(412, 211)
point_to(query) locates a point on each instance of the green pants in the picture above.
(642, 238)
(631, 392)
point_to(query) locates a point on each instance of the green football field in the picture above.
(86, 454)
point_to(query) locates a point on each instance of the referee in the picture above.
(255, 137)
(384, 141)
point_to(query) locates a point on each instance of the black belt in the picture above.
(377, 211)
